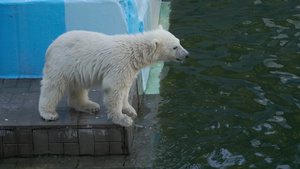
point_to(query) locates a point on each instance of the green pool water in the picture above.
(235, 103)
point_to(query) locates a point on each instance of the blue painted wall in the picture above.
(26, 31)
(28, 27)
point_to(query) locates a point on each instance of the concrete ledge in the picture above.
(24, 133)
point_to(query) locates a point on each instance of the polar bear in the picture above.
(78, 60)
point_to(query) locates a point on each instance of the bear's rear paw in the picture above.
(124, 120)
(47, 116)
(89, 107)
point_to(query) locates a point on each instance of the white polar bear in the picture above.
(78, 60)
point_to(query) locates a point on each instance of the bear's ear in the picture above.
(155, 43)
(160, 27)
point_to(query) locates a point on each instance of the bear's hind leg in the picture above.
(79, 100)
(49, 98)
(114, 103)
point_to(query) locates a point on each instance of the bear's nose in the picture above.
(187, 55)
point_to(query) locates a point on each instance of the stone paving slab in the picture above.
(24, 133)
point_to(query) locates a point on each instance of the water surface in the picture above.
(236, 102)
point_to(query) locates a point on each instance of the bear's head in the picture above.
(167, 47)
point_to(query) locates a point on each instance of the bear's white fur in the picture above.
(78, 60)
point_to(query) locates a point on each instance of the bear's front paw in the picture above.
(48, 116)
(129, 110)
(124, 121)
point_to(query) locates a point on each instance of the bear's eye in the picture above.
(175, 47)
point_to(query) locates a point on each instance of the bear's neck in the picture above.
(141, 51)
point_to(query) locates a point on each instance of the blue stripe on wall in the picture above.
(130, 12)
(26, 31)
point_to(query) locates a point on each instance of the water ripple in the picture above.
(269, 23)
(223, 158)
(271, 64)
(286, 77)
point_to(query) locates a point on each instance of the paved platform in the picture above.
(143, 141)
(24, 133)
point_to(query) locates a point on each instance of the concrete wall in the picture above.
(28, 27)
